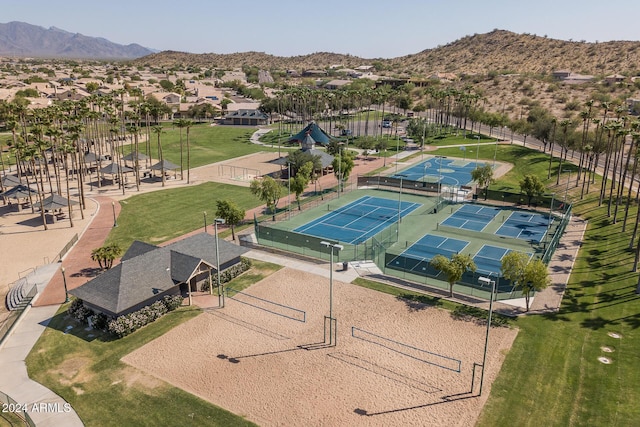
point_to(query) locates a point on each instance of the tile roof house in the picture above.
(246, 118)
(148, 273)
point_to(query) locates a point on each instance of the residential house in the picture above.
(246, 118)
(336, 84)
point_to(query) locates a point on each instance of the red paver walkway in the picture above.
(78, 260)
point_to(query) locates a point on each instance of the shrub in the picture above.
(172, 302)
(129, 323)
(100, 321)
(231, 273)
(78, 311)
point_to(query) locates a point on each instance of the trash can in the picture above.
(345, 266)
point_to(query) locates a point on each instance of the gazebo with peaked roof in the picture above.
(308, 143)
(317, 134)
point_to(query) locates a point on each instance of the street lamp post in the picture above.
(64, 282)
(289, 190)
(205, 220)
(397, 148)
(400, 196)
(113, 208)
(339, 172)
(220, 289)
(487, 281)
(331, 246)
(440, 178)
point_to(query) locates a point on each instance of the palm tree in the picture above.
(187, 125)
(30, 154)
(66, 149)
(158, 131)
(180, 123)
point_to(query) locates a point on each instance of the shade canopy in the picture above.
(114, 168)
(132, 156)
(55, 201)
(166, 165)
(10, 181)
(90, 157)
(18, 192)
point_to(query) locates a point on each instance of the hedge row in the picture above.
(129, 323)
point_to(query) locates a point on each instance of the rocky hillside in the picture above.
(478, 54)
(21, 39)
(524, 53)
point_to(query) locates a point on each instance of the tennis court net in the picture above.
(474, 215)
(374, 212)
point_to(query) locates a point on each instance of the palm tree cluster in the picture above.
(67, 140)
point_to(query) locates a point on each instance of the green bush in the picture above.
(78, 311)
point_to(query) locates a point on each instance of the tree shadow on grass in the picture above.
(597, 323)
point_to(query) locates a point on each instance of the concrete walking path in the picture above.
(46, 408)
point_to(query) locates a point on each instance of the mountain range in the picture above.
(497, 51)
(26, 40)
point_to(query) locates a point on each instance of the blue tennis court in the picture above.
(359, 220)
(440, 169)
(471, 217)
(430, 245)
(417, 256)
(488, 260)
(525, 226)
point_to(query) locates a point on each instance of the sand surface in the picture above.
(276, 371)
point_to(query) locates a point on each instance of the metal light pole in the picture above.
(485, 281)
(113, 208)
(427, 165)
(340, 144)
(64, 281)
(220, 295)
(205, 221)
(289, 190)
(400, 196)
(440, 177)
(477, 150)
(397, 148)
(331, 246)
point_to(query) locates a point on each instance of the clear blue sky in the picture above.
(368, 29)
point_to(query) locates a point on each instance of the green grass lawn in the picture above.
(87, 372)
(159, 216)
(209, 144)
(552, 375)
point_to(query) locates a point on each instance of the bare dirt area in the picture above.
(394, 363)
(238, 171)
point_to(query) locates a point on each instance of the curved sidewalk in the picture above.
(46, 408)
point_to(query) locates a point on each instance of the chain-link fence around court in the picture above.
(386, 247)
